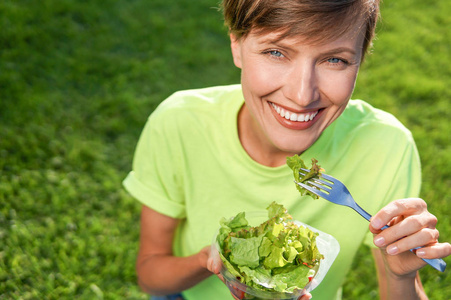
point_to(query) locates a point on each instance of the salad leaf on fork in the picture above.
(295, 163)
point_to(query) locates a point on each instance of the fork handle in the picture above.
(437, 263)
(364, 214)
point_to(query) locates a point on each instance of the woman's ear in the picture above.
(235, 45)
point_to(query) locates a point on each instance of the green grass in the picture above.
(77, 82)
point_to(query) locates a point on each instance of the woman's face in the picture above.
(293, 90)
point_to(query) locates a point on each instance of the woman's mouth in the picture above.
(292, 116)
(294, 120)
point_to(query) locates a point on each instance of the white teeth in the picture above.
(294, 116)
(301, 118)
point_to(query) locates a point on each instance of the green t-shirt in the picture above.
(189, 164)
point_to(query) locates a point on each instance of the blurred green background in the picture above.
(77, 82)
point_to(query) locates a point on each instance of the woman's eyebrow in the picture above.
(340, 50)
(272, 42)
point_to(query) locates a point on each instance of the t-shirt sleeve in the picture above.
(406, 182)
(155, 179)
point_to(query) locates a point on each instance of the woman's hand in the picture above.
(213, 262)
(411, 226)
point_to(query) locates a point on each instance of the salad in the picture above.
(277, 255)
(296, 163)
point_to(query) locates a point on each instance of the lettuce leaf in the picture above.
(296, 163)
(276, 255)
(244, 251)
(296, 277)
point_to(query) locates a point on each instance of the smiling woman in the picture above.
(213, 152)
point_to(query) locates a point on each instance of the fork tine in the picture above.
(313, 190)
(304, 170)
(323, 183)
(329, 183)
(319, 185)
(327, 177)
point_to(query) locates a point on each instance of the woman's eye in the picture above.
(275, 53)
(335, 60)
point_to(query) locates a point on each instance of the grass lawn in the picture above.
(77, 82)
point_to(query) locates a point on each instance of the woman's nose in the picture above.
(301, 86)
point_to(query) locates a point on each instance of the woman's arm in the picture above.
(393, 287)
(159, 271)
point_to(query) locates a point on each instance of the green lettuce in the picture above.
(276, 255)
(296, 163)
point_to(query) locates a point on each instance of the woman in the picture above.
(210, 153)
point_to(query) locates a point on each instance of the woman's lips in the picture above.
(292, 116)
(295, 120)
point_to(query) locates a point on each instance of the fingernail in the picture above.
(392, 250)
(379, 241)
(420, 253)
(377, 223)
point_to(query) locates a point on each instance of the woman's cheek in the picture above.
(264, 81)
(337, 86)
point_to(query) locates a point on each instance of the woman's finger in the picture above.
(421, 238)
(307, 296)
(214, 263)
(422, 226)
(397, 208)
(221, 277)
(437, 250)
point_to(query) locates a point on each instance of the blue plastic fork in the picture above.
(336, 192)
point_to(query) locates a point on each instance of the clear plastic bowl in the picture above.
(327, 245)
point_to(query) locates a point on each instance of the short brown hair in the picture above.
(317, 20)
